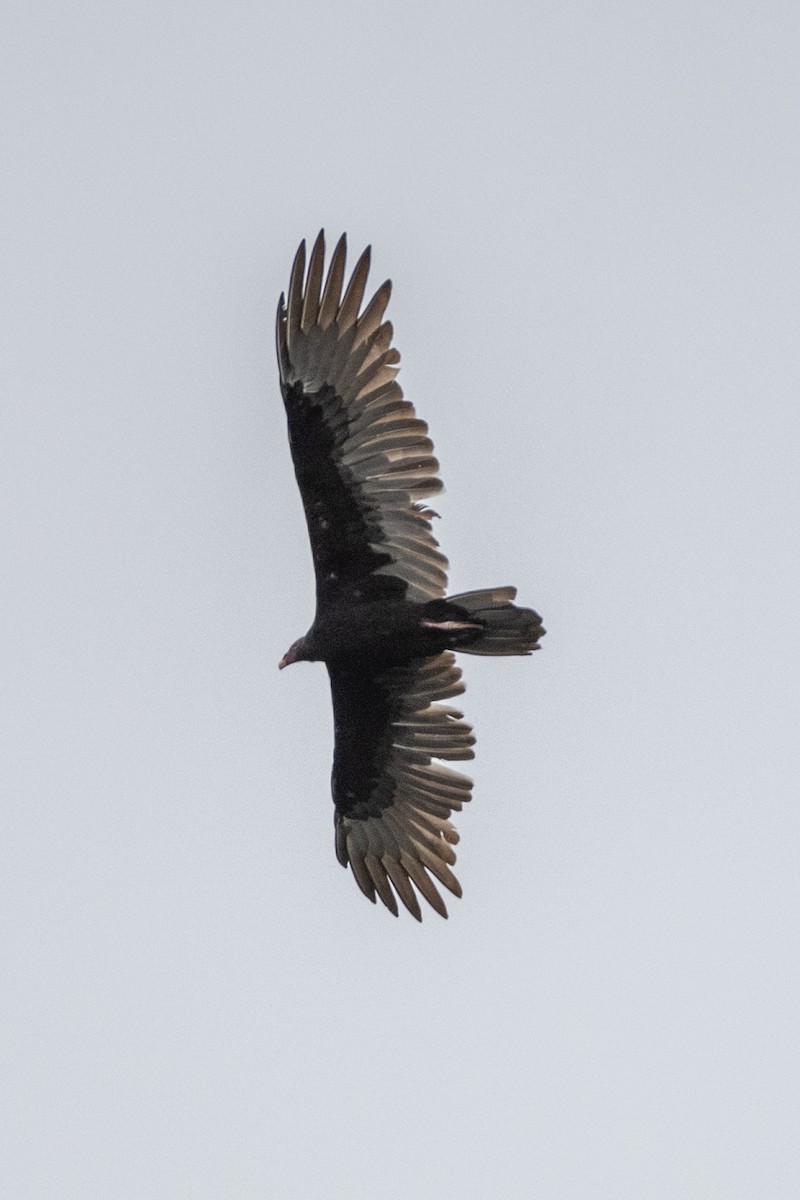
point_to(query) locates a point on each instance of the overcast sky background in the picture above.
(590, 215)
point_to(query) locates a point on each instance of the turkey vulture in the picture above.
(364, 461)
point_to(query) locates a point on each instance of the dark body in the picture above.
(378, 633)
(363, 462)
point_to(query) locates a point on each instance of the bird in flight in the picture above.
(383, 627)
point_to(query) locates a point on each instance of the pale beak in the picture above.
(294, 652)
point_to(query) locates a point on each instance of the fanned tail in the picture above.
(509, 629)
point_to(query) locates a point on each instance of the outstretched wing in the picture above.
(393, 803)
(362, 457)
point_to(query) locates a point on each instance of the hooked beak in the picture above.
(293, 654)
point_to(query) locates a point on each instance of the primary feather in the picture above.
(364, 462)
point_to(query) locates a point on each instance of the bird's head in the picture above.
(297, 652)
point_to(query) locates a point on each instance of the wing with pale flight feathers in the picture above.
(393, 803)
(362, 457)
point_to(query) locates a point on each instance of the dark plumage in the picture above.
(364, 462)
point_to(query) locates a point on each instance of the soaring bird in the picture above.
(383, 627)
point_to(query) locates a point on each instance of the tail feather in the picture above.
(509, 629)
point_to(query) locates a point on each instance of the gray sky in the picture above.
(589, 212)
